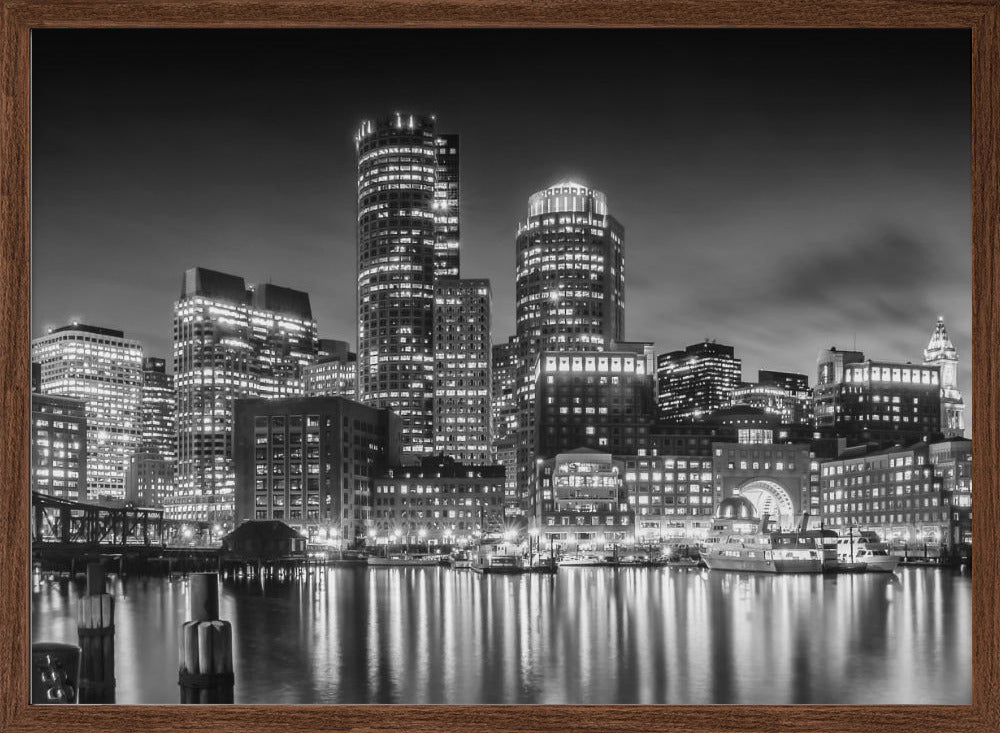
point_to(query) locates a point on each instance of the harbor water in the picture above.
(584, 635)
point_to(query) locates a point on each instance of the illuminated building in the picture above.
(335, 372)
(670, 496)
(230, 342)
(876, 403)
(602, 401)
(59, 446)
(783, 394)
(694, 382)
(438, 501)
(579, 503)
(917, 494)
(104, 369)
(940, 352)
(462, 370)
(311, 462)
(407, 237)
(569, 290)
(504, 412)
(774, 477)
(151, 469)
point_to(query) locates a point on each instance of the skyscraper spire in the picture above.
(940, 344)
(941, 352)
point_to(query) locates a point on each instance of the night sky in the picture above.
(781, 191)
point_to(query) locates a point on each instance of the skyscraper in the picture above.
(462, 370)
(569, 290)
(941, 352)
(152, 468)
(407, 236)
(504, 412)
(335, 372)
(230, 341)
(103, 368)
(693, 382)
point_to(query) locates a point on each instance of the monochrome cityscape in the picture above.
(430, 481)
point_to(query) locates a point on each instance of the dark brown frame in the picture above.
(20, 16)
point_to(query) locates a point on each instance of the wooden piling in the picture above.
(205, 647)
(96, 632)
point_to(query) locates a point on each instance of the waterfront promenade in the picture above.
(583, 635)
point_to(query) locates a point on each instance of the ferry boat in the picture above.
(402, 559)
(866, 548)
(742, 543)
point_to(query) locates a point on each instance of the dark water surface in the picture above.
(586, 635)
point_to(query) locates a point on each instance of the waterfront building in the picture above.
(774, 477)
(102, 368)
(312, 463)
(579, 502)
(335, 372)
(670, 496)
(597, 400)
(407, 237)
(230, 342)
(462, 382)
(503, 375)
(876, 403)
(569, 291)
(900, 493)
(438, 501)
(941, 352)
(150, 478)
(59, 446)
(784, 394)
(694, 382)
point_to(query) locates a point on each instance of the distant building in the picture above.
(462, 383)
(151, 469)
(774, 477)
(784, 394)
(569, 291)
(335, 373)
(876, 403)
(59, 446)
(408, 237)
(102, 368)
(940, 352)
(920, 493)
(671, 496)
(312, 462)
(597, 400)
(230, 342)
(503, 396)
(438, 501)
(694, 382)
(579, 502)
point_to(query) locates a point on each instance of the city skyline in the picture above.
(854, 195)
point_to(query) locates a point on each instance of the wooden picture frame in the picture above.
(19, 17)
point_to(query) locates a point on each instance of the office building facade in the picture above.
(59, 446)
(694, 382)
(335, 372)
(151, 469)
(103, 369)
(312, 463)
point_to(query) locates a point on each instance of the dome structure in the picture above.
(736, 507)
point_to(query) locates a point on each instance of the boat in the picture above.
(402, 559)
(488, 561)
(868, 549)
(460, 559)
(570, 561)
(740, 543)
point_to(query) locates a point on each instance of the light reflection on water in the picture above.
(586, 635)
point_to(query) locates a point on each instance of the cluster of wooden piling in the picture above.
(205, 648)
(95, 622)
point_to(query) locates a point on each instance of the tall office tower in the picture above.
(876, 403)
(446, 208)
(103, 368)
(569, 290)
(58, 446)
(941, 352)
(405, 237)
(230, 341)
(152, 468)
(693, 382)
(335, 372)
(504, 413)
(462, 370)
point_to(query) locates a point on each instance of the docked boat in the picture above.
(742, 543)
(569, 561)
(485, 561)
(868, 549)
(402, 559)
(460, 559)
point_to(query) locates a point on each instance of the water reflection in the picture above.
(586, 635)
